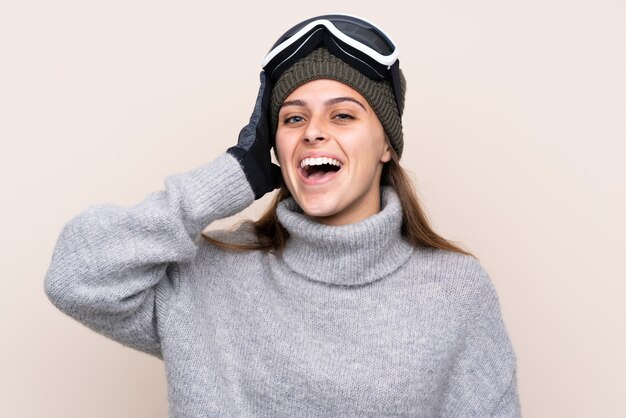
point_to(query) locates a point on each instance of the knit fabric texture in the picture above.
(347, 321)
(321, 64)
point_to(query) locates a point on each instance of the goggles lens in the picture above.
(354, 40)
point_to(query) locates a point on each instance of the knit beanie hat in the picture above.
(321, 64)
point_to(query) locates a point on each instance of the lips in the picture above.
(319, 169)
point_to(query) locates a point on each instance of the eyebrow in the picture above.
(328, 102)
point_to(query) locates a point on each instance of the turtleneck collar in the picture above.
(348, 255)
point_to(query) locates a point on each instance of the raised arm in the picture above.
(116, 269)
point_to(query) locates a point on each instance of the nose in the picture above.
(315, 131)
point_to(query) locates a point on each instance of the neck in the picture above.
(352, 215)
(349, 254)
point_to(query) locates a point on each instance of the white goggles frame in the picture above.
(387, 60)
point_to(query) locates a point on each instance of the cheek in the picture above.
(380, 145)
(284, 152)
(369, 147)
(280, 147)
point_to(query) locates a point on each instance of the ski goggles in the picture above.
(356, 41)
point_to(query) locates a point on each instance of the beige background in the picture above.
(515, 132)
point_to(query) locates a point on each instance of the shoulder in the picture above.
(241, 234)
(228, 246)
(450, 264)
(212, 260)
(462, 275)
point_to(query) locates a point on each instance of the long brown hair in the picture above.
(416, 229)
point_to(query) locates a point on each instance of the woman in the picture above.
(340, 300)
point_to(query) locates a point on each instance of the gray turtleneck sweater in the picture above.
(347, 321)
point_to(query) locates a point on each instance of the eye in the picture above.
(293, 119)
(344, 116)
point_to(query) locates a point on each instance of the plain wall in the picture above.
(515, 132)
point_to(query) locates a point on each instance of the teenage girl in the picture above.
(340, 301)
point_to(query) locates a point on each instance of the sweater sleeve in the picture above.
(115, 269)
(484, 375)
(509, 405)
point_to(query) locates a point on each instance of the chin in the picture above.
(318, 209)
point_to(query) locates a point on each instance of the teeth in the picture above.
(319, 161)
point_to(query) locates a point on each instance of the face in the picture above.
(331, 148)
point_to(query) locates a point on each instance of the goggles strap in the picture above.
(396, 85)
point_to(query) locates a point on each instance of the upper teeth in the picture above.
(319, 161)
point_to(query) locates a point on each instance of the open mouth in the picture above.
(319, 167)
